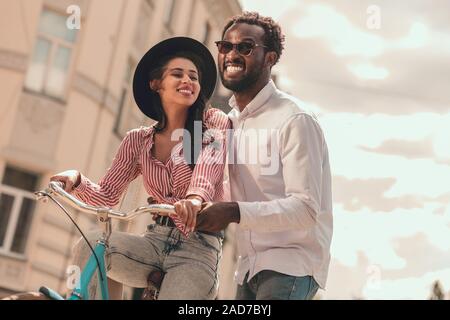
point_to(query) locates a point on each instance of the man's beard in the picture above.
(244, 83)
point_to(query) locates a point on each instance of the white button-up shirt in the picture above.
(280, 176)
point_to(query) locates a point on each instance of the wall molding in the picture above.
(13, 60)
(55, 247)
(59, 224)
(48, 269)
(222, 11)
(95, 92)
(62, 5)
(18, 62)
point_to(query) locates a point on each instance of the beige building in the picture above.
(65, 102)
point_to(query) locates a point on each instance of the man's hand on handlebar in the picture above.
(216, 216)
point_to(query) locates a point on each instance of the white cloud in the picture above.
(274, 9)
(368, 71)
(374, 233)
(346, 39)
(337, 31)
(346, 133)
(440, 41)
(284, 82)
(409, 288)
(441, 141)
(371, 130)
(419, 36)
(406, 60)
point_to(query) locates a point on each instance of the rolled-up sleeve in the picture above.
(208, 172)
(123, 170)
(302, 148)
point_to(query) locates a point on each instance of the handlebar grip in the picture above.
(60, 184)
(57, 188)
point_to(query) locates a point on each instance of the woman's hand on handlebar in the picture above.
(70, 178)
(187, 210)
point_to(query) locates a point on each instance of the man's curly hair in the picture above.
(273, 39)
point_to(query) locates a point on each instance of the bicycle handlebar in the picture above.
(56, 188)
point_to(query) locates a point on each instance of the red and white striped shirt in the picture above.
(166, 182)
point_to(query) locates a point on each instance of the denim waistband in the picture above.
(167, 221)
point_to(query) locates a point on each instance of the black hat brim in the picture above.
(141, 86)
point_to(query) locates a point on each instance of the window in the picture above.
(16, 209)
(206, 34)
(143, 24)
(125, 115)
(168, 17)
(50, 61)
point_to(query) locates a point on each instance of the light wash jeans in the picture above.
(272, 285)
(190, 263)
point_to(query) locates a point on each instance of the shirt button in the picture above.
(170, 194)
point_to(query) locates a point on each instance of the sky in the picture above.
(377, 75)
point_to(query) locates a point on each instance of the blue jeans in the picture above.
(190, 264)
(272, 285)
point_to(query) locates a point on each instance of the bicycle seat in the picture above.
(154, 281)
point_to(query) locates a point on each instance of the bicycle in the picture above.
(97, 258)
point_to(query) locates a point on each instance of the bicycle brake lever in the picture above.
(41, 196)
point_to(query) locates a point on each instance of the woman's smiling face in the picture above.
(179, 84)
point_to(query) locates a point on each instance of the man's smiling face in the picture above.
(237, 71)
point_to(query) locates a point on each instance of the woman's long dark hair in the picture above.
(195, 112)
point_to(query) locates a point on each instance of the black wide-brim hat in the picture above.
(141, 82)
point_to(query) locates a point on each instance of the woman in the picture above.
(171, 85)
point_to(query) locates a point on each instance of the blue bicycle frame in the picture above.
(96, 260)
(81, 293)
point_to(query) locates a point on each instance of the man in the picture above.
(282, 205)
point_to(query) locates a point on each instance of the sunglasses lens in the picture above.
(245, 48)
(224, 47)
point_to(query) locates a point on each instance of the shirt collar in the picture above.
(150, 135)
(258, 101)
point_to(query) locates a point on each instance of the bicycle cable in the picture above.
(81, 232)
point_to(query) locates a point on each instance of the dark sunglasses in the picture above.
(244, 48)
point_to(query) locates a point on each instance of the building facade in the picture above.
(66, 103)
